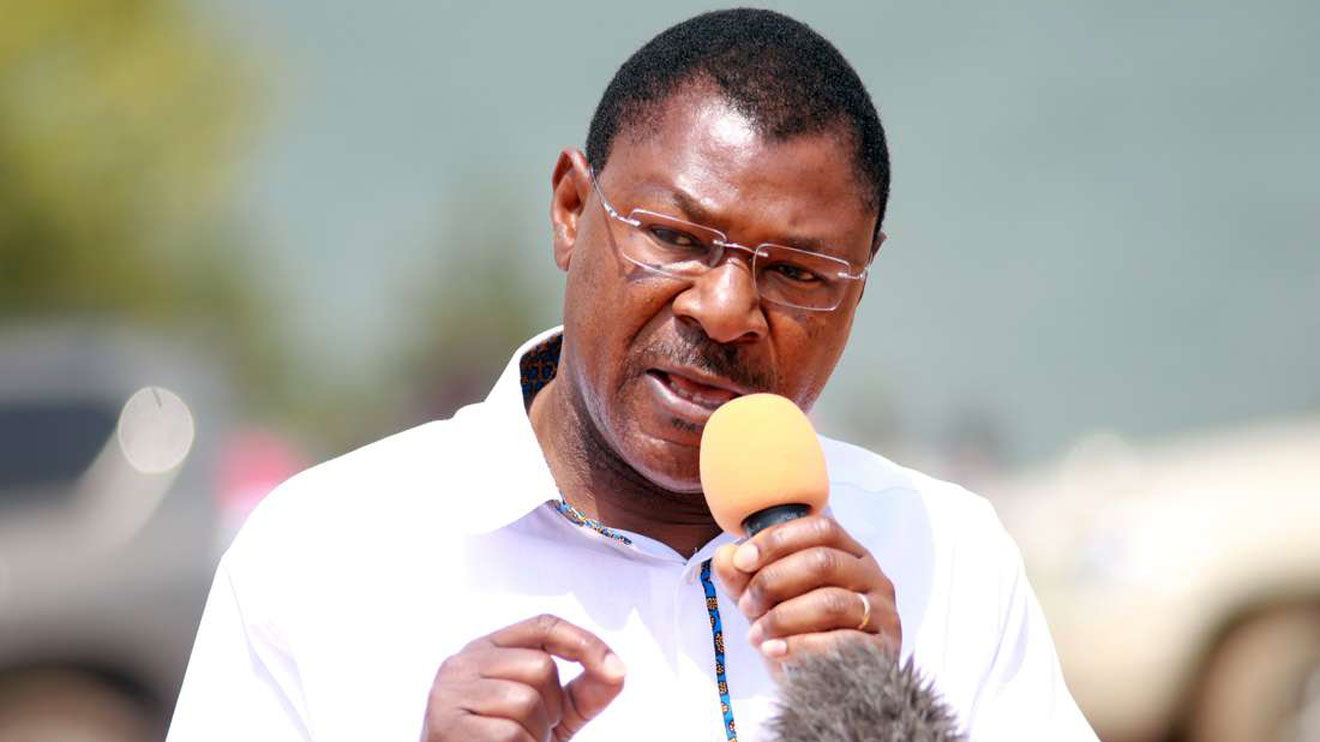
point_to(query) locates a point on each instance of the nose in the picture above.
(725, 303)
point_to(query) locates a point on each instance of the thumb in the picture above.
(733, 579)
(589, 693)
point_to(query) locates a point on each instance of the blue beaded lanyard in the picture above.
(717, 633)
(712, 608)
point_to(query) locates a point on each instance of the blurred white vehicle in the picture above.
(1182, 581)
(115, 449)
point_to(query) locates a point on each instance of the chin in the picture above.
(668, 466)
(685, 485)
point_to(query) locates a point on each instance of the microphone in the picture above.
(857, 692)
(761, 464)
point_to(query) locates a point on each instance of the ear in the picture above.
(570, 187)
(880, 238)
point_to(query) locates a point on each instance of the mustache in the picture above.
(694, 349)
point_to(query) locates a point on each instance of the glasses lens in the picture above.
(800, 278)
(672, 245)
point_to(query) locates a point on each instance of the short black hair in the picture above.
(779, 73)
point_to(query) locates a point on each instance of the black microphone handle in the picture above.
(774, 515)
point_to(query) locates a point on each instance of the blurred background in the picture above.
(238, 238)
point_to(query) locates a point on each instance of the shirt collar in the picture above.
(498, 430)
(517, 480)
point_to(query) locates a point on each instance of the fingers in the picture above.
(603, 672)
(472, 727)
(562, 639)
(802, 581)
(735, 564)
(584, 698)
(517, 687)
(508, 699)
(733, 579)
(829, 609)
(791, 646)
(778, 541)
(505, 686)
(802, 572)
(532, 667)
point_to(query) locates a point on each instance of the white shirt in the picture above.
(334, 607)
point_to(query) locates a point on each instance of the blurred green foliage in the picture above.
(120, 123)
(471, 304)
(475, 313)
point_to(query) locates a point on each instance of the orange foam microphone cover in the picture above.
(761, 464)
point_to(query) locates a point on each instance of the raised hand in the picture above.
(504, 687)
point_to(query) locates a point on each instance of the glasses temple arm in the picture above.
(605, 202)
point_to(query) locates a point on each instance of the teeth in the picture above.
(706, 396)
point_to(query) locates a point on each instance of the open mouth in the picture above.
(694, 392)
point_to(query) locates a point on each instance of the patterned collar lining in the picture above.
(538, 366)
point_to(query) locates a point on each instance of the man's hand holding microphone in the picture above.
(802, 582)
(806, 584)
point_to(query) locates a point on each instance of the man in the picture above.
(543, 565)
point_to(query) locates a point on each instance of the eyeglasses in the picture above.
(784, 275)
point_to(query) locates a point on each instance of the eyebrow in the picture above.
(697, 214)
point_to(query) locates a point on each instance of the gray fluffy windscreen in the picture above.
(857, 692)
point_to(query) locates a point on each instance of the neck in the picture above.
(593, 479)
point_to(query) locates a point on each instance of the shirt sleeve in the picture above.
(241, 681)
(1024, 695)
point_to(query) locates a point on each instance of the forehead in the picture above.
(697, 144)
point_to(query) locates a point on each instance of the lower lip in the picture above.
(680, 406)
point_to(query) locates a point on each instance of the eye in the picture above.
(795, 273)
(670, 237)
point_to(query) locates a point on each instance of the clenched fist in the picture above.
(504, 687)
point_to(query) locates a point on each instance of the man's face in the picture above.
(651, 356)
